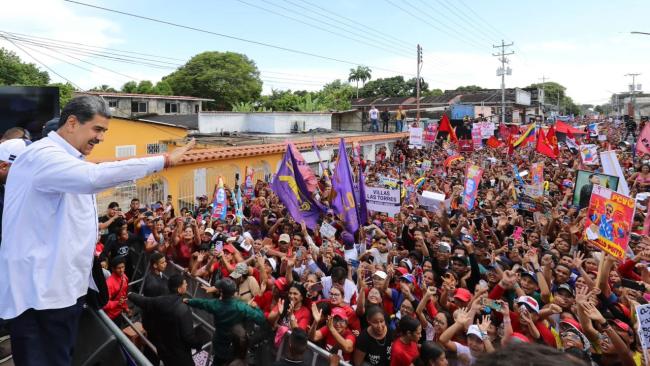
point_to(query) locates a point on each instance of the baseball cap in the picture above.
(519, 338)
(340, 313)
(209, 231)
(380, 274)
(272, 262)
(529, 302)
(281, 284)
(463, 294)
(229, 248)
(11, 149)
(474, 330)
(566, 287)
(529, 274)
(620, 324)
(240, 270)
(408, 277)
(284, 238)
(444, 247)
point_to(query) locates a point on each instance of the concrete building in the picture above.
(132, 106)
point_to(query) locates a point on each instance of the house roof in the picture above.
(382, 101)
(144, 96)
(149, 122)
(232, 152)
(189, 121)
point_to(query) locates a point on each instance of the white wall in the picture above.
(265, 122)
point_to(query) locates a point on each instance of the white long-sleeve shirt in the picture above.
(50, 223)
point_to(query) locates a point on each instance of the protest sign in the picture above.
(473, 175)
(609, 220)
(389, 181)
(431, 201)
(327, 230)
(431, 132)
(643, 327)
(611, 166)
(426, 165)
(582, 189)
(415, 137)
(589, 154)
(533, 191)
(537, 173)
(383, 200)
(465, 145)
(477, 140)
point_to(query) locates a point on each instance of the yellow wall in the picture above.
(128, 132)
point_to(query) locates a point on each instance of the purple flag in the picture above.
(344, 202)
(292, 191)
(363, 208)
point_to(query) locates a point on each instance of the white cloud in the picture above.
(61, 21)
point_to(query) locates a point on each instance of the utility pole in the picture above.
(559, 113)
(539, 100)
(502, 71)
(417, 103)
(633, 92)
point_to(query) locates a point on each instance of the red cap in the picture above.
(622, 325)
(572, 322)
(518, 337)
(281, 284)
(229, 248)
(463, 294)
(340, 313)
(402, 270)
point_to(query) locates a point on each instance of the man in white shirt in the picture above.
(373, 113)
(50, 230)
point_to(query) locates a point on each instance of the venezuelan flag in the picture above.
(447, 163)
(530, 132)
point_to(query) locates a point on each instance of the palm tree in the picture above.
(362, 73)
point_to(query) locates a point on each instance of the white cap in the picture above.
(10, 149)
(474, 329)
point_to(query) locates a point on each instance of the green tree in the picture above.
(281, 100)
(130, 87)
(361, 73)
(243, 107)
(104, 88)
(336, 95)
(394, 86)
(145, 87)
(433, 93)
(66, 92)
(13, 71)
(226, 77)
(413, 87)
(469, 88)
(163, 88)
(307, 104)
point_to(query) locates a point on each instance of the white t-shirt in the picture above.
(464, 353)
(349, 289)
(374, 113)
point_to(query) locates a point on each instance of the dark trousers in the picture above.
(384, 127)
(45, 337)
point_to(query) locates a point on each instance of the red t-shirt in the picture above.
(303, 316)
(403, 354)
(330, 341)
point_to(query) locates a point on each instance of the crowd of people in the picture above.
(421, 287)
(492, 284)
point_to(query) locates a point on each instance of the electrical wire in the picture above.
(461, 24)
(236, 38)
(44, 65)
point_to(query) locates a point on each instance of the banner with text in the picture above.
(537, 173)
(415, 137)
(383, 200)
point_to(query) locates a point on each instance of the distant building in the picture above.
(134, 106)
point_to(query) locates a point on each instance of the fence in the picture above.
(147, 190)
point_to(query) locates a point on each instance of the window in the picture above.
(138, 107)
(156, 148)
(112, 103)
(196, 108)
(171, 107)
(124, 151)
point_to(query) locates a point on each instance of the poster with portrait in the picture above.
(609, 220)
(585, 181)
(473, 178)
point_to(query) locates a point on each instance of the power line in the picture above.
(315, 26)
(259, 43)
(355, 28)
(460, 15)
(478, 16)
(432, 25)
(44, 65)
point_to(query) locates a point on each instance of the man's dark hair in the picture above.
(155, 257)
(528, 354)
(113, 205)
(338, 274)
(227, 287)
(135, 199)
(84, 107)
(174, 282)
(117, 261)
(297, 344)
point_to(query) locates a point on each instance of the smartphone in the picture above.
(632, 285)
(492, 304)
(395, 260)
(299, 253)
(511, 243)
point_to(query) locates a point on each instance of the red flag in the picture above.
(511, 146)
(445, 126)
(504, 132)
(643, 143)
(494, 143)
(552, 140)
(543, 147)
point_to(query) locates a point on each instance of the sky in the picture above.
(584, 45)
